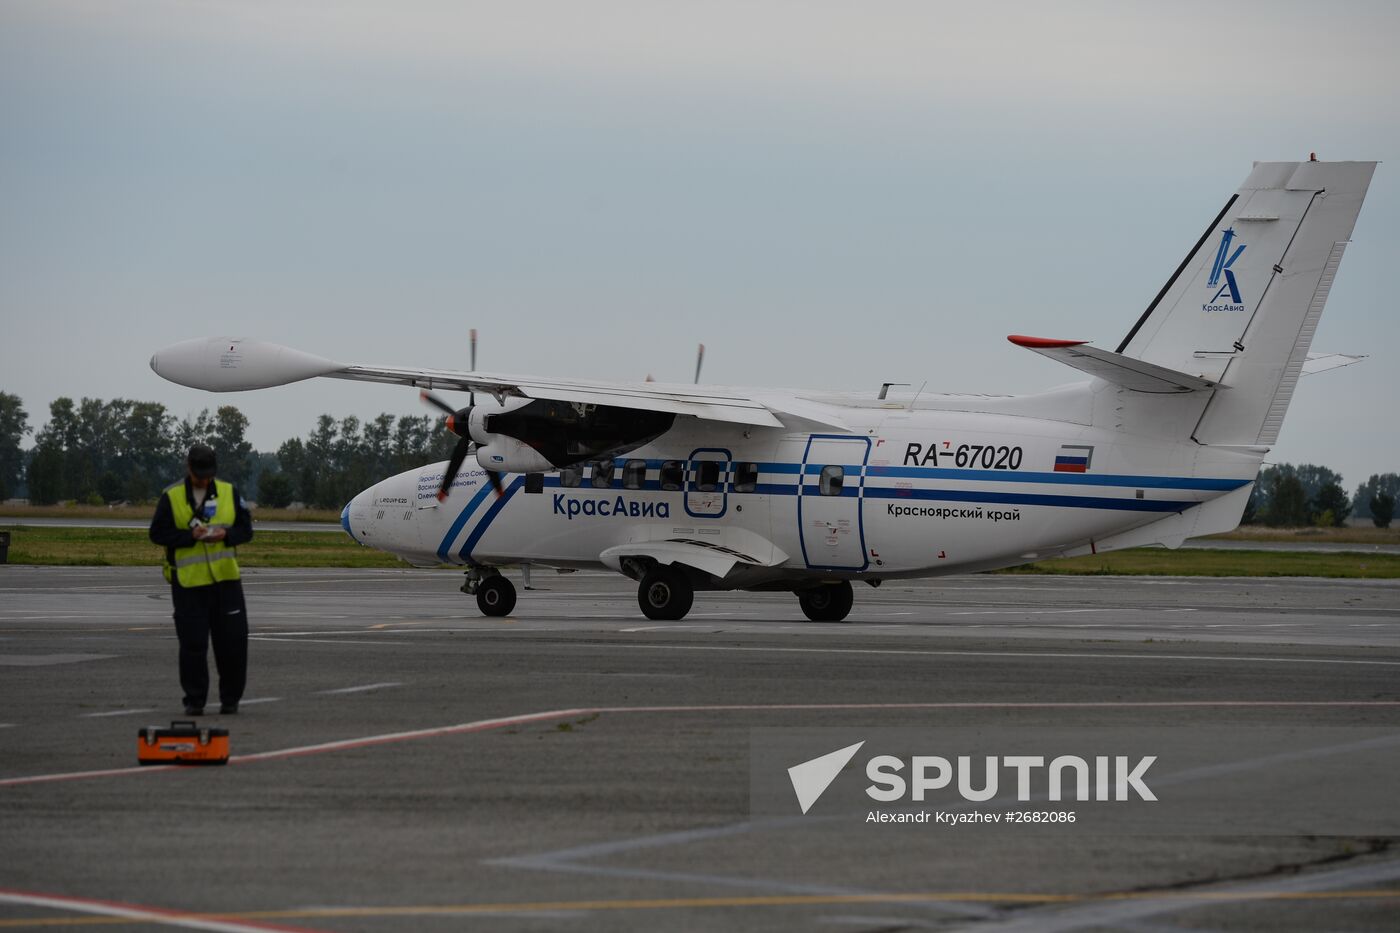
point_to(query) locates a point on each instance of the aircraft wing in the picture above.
(223, 364)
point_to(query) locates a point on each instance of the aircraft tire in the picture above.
(495, 596)
(665, 595)
(830, 602)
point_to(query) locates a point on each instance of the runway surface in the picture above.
(404, 763)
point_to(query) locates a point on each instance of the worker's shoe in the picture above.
(228, 709)
(193, 710)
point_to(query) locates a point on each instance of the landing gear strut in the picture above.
(495, 595)
(665, 594)
(830, 602)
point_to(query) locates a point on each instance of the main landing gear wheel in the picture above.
(830, 602)
(665, 594)
(495, 596)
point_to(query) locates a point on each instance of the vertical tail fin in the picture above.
(1242, 308)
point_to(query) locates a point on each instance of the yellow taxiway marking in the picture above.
(692, 903)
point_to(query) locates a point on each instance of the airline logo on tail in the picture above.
(1229, 289)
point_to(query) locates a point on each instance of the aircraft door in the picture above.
(830, 496)
(706, 479)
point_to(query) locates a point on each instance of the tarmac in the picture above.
(403, 763)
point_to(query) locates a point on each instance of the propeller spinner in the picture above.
(459, 423)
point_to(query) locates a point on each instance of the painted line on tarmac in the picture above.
(486, 725)
(1117, 911)
(1099, 656)
(132, 912)
(481, 725)
(362, 688)
(1133, 901)
(118, 712)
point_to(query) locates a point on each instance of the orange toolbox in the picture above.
(184, 743)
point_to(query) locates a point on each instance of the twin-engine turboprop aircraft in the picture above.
(687, 488)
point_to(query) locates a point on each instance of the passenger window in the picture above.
(634, 474)
(707, 475)
(745, 477)
(602, 473)
(672, 475)
(570, 476)
(832, 479)
(534, 482)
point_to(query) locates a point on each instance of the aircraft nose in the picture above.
(345, 519)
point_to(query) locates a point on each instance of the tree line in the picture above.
(124, 450)
(1291, 496)
(98, 452)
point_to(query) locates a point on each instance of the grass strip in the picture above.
(129, 547)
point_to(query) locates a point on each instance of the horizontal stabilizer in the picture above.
(1125, 371)
(1321, 362)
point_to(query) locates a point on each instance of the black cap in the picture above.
(201, 461)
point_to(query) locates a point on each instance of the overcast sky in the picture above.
(826, 194)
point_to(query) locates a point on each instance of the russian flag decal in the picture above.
(1073, 458)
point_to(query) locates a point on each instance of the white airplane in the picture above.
(688, 487)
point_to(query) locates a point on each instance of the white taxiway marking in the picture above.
(118, 712)
(156, 915)
(1101, 656)
(485, 725)
(260, 700)
(363, 687)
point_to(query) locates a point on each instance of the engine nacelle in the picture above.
(507, 455)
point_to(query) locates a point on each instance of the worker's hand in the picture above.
(199, 531)
(214, 534)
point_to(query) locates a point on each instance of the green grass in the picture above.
(129, 547)
(144, 511)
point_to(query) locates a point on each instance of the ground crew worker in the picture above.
(199, 522)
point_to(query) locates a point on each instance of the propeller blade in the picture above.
(459, 453)
(495, 479)
(431, 399)
(471, 394)
(699, 361)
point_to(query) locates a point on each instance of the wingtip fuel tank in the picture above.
(233, 364)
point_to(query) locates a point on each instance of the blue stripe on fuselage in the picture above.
(461, 519)
(491, 513)
(1021, 498)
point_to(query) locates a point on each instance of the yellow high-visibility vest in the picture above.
(206, 562)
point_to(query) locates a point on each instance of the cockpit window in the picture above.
(534, 482)
(570, 477)
(634, 474)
